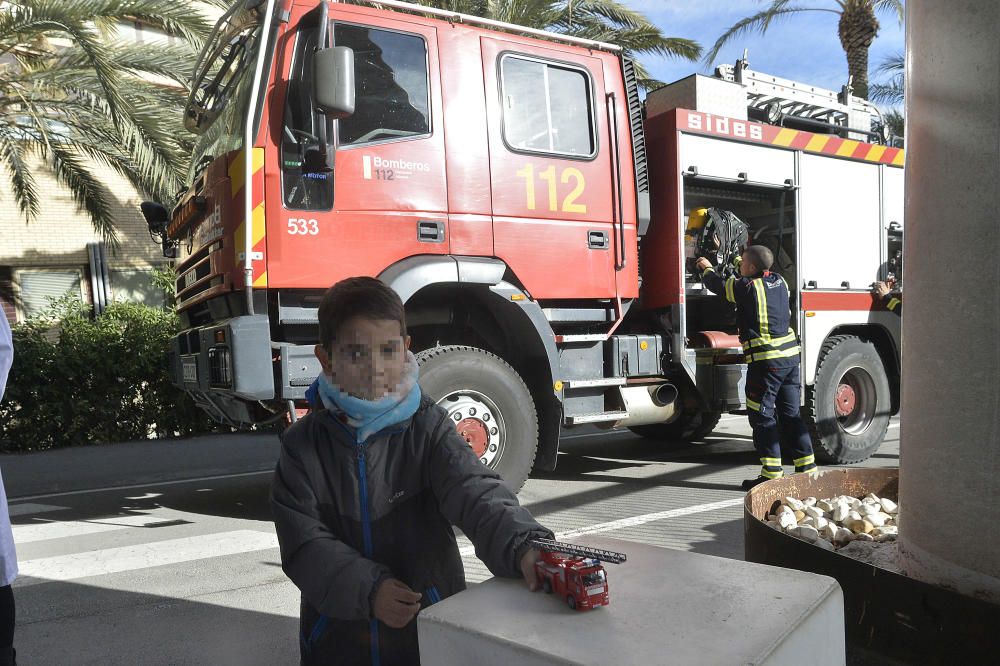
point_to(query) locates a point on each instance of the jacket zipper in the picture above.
(366, 533)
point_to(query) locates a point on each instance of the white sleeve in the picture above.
(6, 352)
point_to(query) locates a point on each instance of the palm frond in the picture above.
(88, 192)
(12, 156)
(759, 22)
(894, 6)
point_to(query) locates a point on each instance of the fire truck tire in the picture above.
(688, 427)
(570, 601)
(848, 406)
(547, 586)
(489, 404)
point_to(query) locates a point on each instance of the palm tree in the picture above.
(857, 26)
(72, 97)
(892, 90)
(601, 20)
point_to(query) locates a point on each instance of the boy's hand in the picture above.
(880, 289)
(395, 603)
(528, 569)
(702, 264)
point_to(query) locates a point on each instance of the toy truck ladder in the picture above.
(580, 551)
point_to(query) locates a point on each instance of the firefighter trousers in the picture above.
(772, 393)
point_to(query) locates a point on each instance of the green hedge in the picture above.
(80, 380)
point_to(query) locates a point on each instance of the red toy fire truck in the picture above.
(575, 572)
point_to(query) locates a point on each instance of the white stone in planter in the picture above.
(794, 503)
(820, 523)
(879, 519)
(783, 508)
(824, 544)
(854, 502)
(853, 515)
(774, 524)
(786, 520)
(808, 521)
(889, 506)
(863, 537)
(840, 512)
(870, 509)
(826, 505)
(843, 535)
(807, 533)
(880, 532)
(829, 532)
(814, 512)
(810, 501)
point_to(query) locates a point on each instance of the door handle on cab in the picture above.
(430, 231)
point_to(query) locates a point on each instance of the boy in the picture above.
(772, 354)
(368, 485)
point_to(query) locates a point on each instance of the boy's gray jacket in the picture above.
(348, 516)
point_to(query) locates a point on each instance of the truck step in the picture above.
(570, 384)
(599, 417)
(589, 337)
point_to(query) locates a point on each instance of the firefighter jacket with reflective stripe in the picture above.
(893, 304)
(762, 314)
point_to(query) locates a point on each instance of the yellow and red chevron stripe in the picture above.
(823, 144)
(258, 228)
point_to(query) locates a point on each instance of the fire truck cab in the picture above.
(581, 581)
(530, 210)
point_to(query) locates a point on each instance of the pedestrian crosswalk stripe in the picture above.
(142, 556)
(54, 529)
(30, 508)
(634, 521)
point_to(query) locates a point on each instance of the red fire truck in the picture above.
(530, 209)
(575, 573)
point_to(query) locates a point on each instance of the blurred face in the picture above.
(747, 267)
(367, 359)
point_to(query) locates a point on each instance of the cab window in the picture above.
(547, 107)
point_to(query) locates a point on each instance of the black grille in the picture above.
(635, 122)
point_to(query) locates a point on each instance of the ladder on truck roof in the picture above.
(580, 551)
(775, 98)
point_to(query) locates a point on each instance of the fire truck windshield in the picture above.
(218, 106)
(594, 578)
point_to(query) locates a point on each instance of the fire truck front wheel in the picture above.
(849, 404)
(488, 403)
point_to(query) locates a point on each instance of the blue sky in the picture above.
(803, 47)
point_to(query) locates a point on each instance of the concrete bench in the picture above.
(667, 607)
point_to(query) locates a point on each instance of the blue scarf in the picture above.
(368, 417)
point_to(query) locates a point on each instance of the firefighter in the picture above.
(893, 302)
(772, 353)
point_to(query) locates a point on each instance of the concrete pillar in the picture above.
(950, 460)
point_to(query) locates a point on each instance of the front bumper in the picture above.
(231, 366)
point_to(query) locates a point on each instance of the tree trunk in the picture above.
(858, 28)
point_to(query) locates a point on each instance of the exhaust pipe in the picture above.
(649, 404)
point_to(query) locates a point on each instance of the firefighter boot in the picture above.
(750, 483)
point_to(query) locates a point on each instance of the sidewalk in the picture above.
(132, 463)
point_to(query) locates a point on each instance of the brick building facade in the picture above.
(49, 256)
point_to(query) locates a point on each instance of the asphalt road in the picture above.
(173, 569)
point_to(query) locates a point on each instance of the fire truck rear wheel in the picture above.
(488, 403)
(570, 601)
(688, 427)
(848, 406)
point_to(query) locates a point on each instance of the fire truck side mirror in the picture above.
(333, 81)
